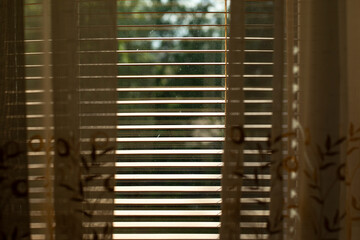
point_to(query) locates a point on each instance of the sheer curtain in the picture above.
(329, 117)
(58, 119)
(58, 122)
(315, 172)
(14, 207)
(84, 107)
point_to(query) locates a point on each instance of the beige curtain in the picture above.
(246, 211)
(84, 92)
(315, 178)
(59, 177)
(233, 157)
(329, 175)
(14, 206)
(58, 119)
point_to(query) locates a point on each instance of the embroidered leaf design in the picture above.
(268, 142)
(237, 134)
(239, 173)
(330, 228)
(84, 163)
(68, 187)
(272, 229)
(327, 165)
(25, 235)
(107, 184)
(351, 150)
(109, 149)
(106, 229)
(277, 139)
(340, 173)
(91, 177)
(87, 214)
(12, 150)
(284, 135)
(317, 199)
(343, 216)
(340, 141)
(62, 147)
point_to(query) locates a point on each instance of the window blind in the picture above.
(170, 119)
(171, 115)
(172, 84)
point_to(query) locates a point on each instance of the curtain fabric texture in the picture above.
(14, 206)
(315, 179)
(233, 158)
(84, 93)
(58, 119)
(60, 175)
(329, 118)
